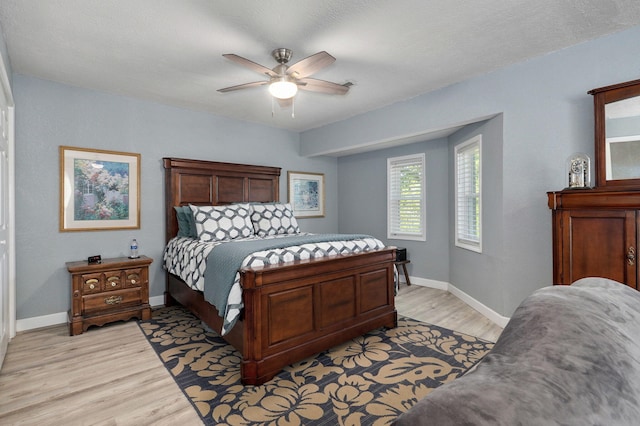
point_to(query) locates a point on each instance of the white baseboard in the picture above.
(440, 285)
(42, 321)
(61, 317)
(479, 306)
(473, 303)
(156, 301)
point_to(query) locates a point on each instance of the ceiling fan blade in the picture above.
(310, 65)
(243, 86)
(249, 64)
(315, 85)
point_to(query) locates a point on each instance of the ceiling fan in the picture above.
(285, 80)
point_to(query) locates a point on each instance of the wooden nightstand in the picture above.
(115, 290)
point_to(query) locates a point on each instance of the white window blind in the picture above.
(405, 197)
(468, 197)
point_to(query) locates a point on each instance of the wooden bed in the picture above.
(293, 310)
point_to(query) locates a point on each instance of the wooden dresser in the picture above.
(595, 234)
(596, 230)
(115, 290)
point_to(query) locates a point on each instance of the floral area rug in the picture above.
(369, 380)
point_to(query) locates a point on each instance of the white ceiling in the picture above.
(170, 51)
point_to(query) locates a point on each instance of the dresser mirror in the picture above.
(617, 135)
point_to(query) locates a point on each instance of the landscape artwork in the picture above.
(99, 190)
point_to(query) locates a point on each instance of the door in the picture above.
(7, 281)
(599, 243)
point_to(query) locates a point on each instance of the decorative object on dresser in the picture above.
(290, 310)
(595, 231)
(578, 171)
(99, 190)
(116, 289)
(306, 193)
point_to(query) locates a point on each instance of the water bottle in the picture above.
(134, 249)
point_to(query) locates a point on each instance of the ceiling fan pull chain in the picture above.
(272, 108)
(293, 107)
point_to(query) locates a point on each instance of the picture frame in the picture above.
(306, 194)
(99, 189)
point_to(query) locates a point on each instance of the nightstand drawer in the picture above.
(113, 280)
(134, 277)
(111, 300)
(91, 283)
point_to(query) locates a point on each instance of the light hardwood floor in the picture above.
(442, 308)
(111, 375)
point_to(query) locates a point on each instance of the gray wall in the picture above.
(547, 116)
(362, 204)
(49, 115)
(468, 268)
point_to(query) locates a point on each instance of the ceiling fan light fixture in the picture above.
(285, 80)
(282, 88)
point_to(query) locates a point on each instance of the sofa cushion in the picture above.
(570, 355)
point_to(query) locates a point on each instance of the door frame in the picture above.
(5, 86)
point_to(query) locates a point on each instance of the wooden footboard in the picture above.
(295, 310)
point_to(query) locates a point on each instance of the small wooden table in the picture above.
(115, 290)
(403, 263)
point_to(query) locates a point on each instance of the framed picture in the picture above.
(306, 194)
(99, 190)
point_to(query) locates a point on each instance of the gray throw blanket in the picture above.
(570, 355)
(225, 260)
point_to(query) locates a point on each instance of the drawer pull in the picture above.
(133, 281)
(113, 300)
(92, 281)
(92, 286)
(113, 283)
(631, 256)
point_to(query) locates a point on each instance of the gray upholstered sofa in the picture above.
(570, 355)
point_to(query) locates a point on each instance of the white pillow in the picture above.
(273, 219)
(219, 223)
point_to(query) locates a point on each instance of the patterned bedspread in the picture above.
(187, 259)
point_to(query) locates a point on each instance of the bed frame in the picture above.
(293, 310)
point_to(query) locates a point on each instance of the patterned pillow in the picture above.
(193, 232)
(186, 224)
(273, 219)
(183, 222)
(219, 223)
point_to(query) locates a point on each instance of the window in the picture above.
(468, 199)
(405, 198)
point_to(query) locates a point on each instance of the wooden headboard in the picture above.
(213, 183)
